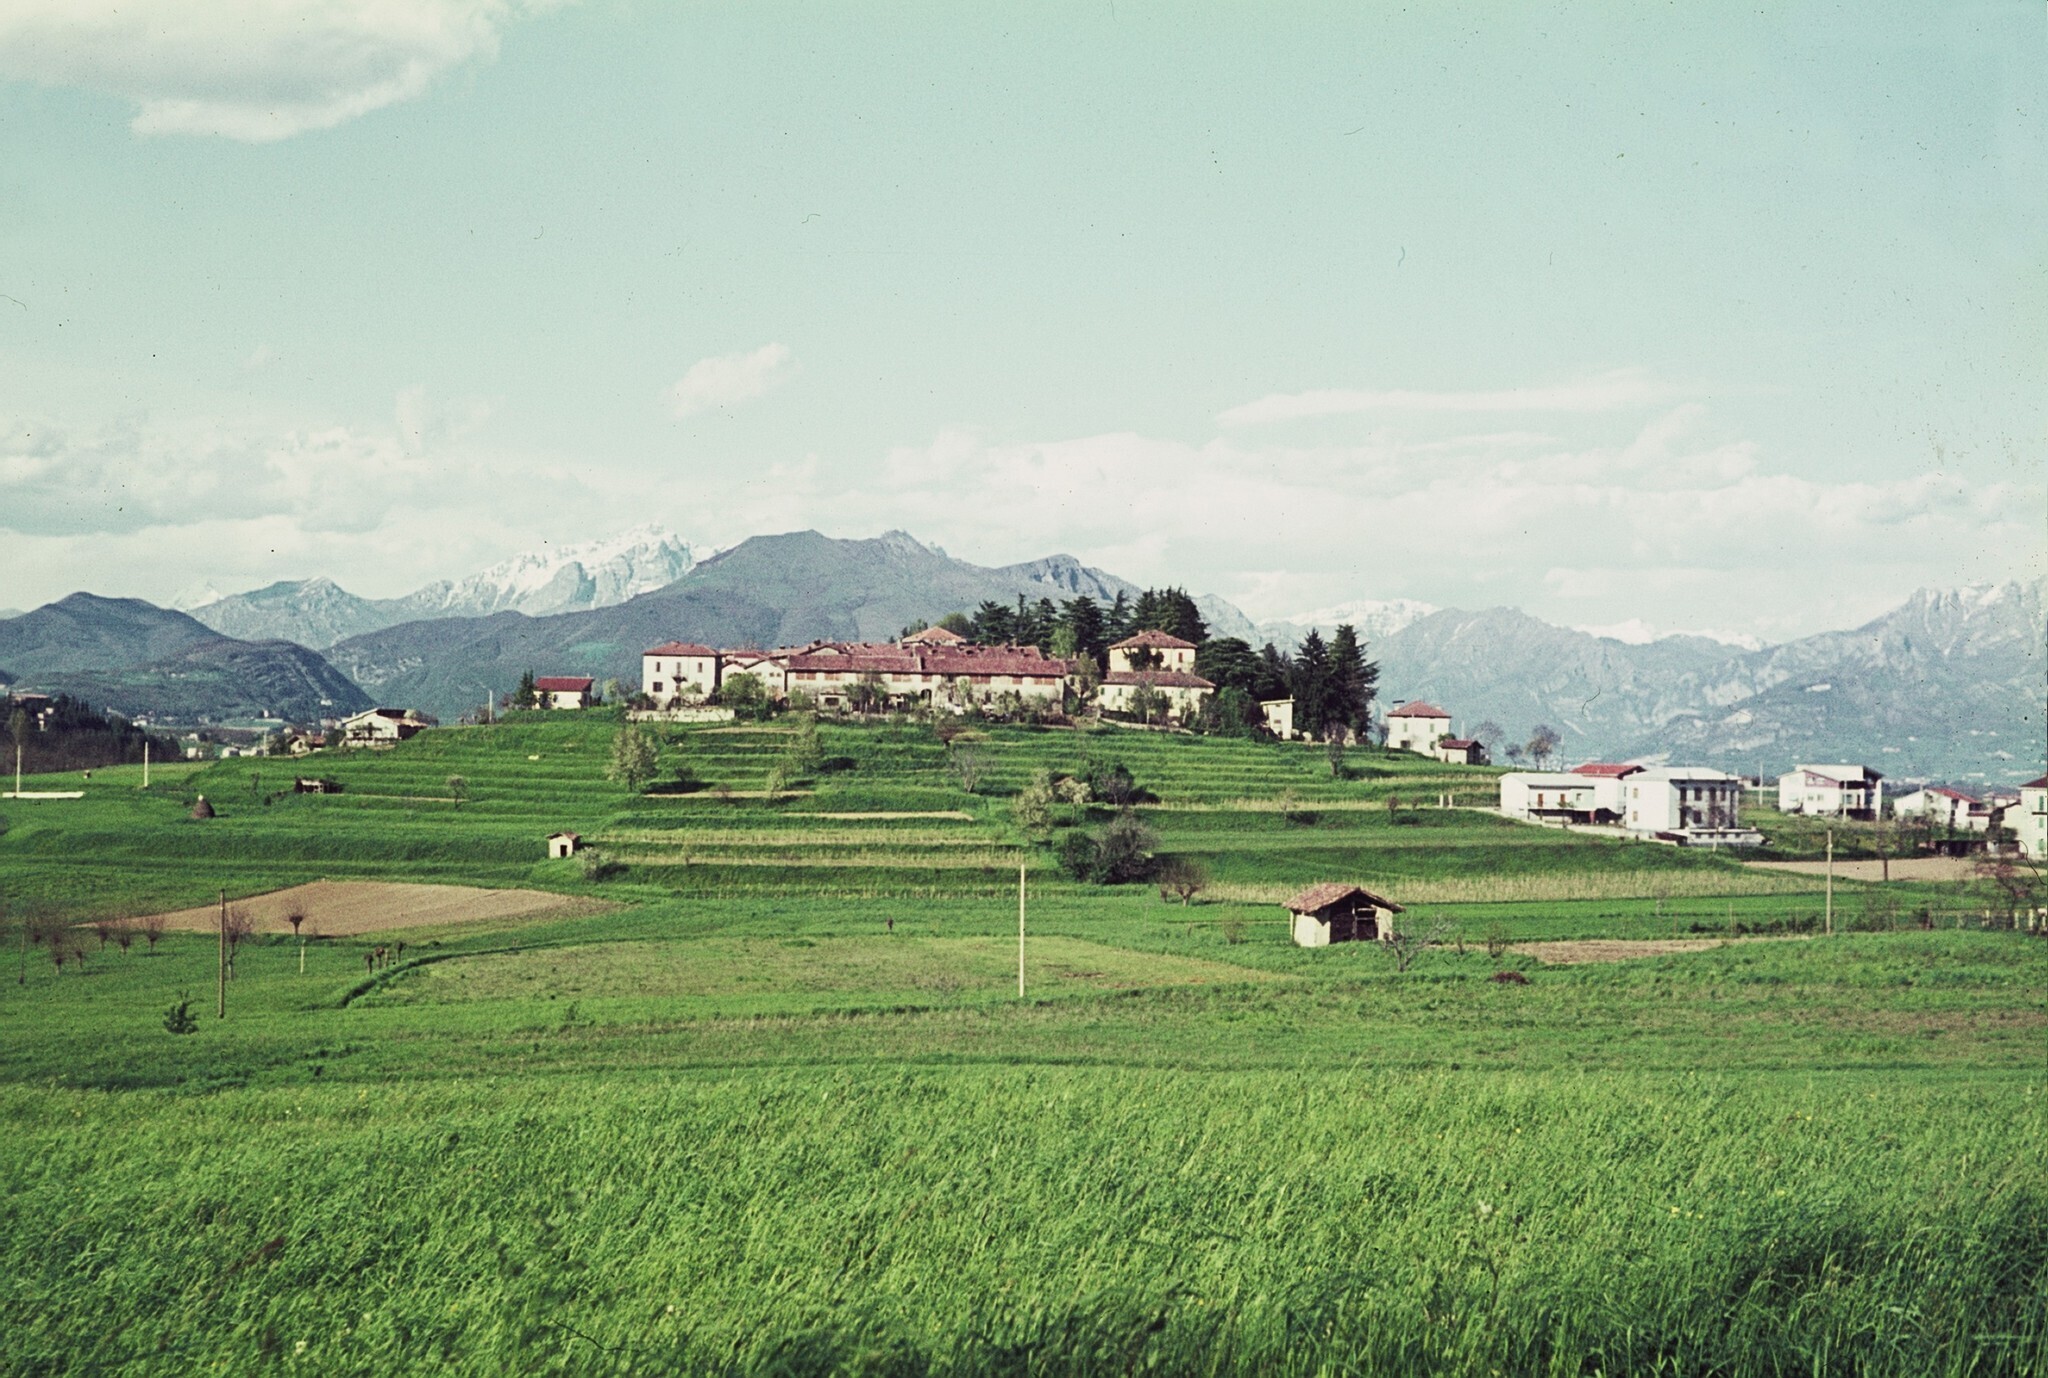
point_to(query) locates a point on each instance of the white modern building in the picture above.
(1833, 791)
(1693, 805)
(1591, 793)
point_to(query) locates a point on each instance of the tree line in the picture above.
(70, 734)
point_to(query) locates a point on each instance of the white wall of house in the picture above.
(1182, 701)
(663, 677)
(1279, 714)
(2030, 820)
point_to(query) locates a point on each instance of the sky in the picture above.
(1686, 317)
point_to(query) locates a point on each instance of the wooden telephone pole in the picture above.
(1020, 930)
(221, 975)
(1831, 883)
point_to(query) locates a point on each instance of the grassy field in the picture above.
(782, 1111)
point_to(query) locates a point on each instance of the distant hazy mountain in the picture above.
(596, 574)
(1375, 619)
(135, 658)
(767, 591)
(1947, 686)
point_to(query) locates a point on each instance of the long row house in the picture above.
(933, 666)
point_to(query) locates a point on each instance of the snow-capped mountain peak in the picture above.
(569, 578)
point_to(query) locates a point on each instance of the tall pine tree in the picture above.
(1354, 680)
(1314, 685)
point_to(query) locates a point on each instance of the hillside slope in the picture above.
(135, 658)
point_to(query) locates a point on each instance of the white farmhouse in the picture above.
(678, 669)
(2030, 820)
(1279, 716)
(565, 691)
(1693, 805)
(1417, 726)
(1152, 651)
(1832, 791)
(1945, 807)
(377, 727)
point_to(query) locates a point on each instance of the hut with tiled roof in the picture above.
(1335, 912)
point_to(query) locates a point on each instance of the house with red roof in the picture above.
(1417, 726)
(933, 666)
(564, 691)
(1460, 751)
(1151, 650)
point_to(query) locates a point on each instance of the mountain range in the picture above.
(577, 578)
(1950, 685)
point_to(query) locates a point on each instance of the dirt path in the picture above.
(1903, 868)
(1610, 949)
(344, 908)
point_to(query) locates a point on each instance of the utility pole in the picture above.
(1020, 930)
(221, 974)
(1831, 882)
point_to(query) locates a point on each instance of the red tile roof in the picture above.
(1418, 709)
(1605, 770)
(934, 636)
(563, 684)
(1458, 743)
(1330, 892)
(1164, 641)
(2041, 783)
(1945, 792)
(1158, 679)
(680, 648)
(863, 658)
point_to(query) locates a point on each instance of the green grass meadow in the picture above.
(780, 1110)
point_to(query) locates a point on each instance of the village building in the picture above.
(2029, 821)
(1279, 716)
(1692, 805)
(678, 669)
(564, 691)
(561, 845)
(932, 666)
(1417, 726)
(1561, 796)
(1460, 751)
(934, 636)
(1339, 913)
(1152, 651)
(1939, 805)
(379, 727)
(1183, 691)
(1831, 791)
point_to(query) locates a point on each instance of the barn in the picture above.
(1339, 913)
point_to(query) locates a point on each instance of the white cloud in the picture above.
(258, 71)
(726, 380)
(1617, 391)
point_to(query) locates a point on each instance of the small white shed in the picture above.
(563, 844)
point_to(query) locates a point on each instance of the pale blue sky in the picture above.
(1687, 314)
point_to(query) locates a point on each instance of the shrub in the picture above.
(1125, 851)
(1510, 978)
(598, 868)
(1232, 930)
(178, 1019)
(1079, 854)
(1112, 784)
(1496, 942)
(1032, 808)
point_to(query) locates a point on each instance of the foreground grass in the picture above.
(1032, 1220)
